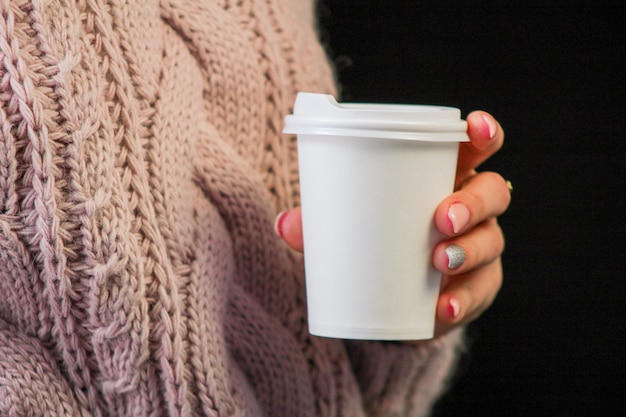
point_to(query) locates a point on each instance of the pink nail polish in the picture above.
(278, 223)
(459, 216)
(491, 126)
(454, 308)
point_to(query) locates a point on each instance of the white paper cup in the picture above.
(371, 177)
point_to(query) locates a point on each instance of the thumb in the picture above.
(288, 225)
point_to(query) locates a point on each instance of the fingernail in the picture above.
(491, 125)
(459, 216)
(278, 223)
(456, 256)
(454, 307)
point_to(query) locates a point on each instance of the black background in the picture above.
(553, 343)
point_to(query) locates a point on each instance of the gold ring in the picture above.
(509, 185)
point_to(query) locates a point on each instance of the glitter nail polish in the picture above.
(456, 256)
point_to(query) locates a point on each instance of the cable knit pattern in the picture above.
(141, 166)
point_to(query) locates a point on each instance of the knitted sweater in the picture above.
(141, 167)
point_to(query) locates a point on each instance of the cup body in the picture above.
(368, 198)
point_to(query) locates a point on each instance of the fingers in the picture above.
(484, 196)
(470, 259)
(486, 138)
(288, 225)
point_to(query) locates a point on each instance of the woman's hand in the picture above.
(470, 257)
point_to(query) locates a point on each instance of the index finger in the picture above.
(486, 138)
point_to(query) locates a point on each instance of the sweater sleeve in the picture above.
(398, 379)
(30, 381)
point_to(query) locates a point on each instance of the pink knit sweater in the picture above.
(141, 167)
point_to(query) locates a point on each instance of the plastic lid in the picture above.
(320, 114)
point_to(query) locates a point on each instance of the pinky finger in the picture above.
(465, 297)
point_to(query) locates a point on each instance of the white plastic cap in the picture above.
(320, 114)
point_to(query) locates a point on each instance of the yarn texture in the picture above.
(141, 166)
